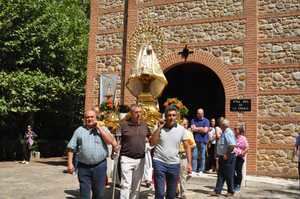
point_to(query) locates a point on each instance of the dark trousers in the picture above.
(299, 171)
(27, 152)
(238, 176)
(226, 173)
(92, 178)
(211, 163)
(165, 173)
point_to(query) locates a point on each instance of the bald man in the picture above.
(90, 142)
(200, 127)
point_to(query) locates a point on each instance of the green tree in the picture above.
(43, 54)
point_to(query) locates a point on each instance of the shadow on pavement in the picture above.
(54, 163)
(297, 188)
(210, 187)
(200, 191)
(284, 192)
(72, 194)
(143, 194)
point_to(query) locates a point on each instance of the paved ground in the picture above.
(45, 179)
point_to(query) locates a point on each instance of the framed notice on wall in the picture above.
(107, 88)
(240, 105)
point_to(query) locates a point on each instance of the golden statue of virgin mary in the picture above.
(146, 81)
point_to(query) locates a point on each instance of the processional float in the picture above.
(146, 82)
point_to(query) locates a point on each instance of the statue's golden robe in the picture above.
(146, 75)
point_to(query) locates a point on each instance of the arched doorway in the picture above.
(197, 86)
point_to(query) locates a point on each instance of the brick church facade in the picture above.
(242, 49)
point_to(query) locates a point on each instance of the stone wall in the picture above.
(229, 54)
(280, 78)
(233, 30)
(104, 4)
(277, 133)
(191, 10)
(111, 21)
(279, 53)
(278, 6)
(240, 78)
(279, 27)
(111, 64)
(279, 105)
(109, 41)
(274, 162)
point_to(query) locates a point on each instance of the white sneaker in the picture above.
(199, 173)
(23, 162)
(26, 162)
(193, 174)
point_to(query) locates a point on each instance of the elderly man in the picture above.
(227, 158)
(166, 160)
(90, 142)
(134, 133)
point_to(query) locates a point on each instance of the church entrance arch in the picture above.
(197, 86)
(200, 71)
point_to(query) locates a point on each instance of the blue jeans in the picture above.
(92, 177)
(226, 173)
(168, 173)
(199, 153)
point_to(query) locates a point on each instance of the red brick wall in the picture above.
(250, 16)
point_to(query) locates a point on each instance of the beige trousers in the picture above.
(183, 175)
(132, 171)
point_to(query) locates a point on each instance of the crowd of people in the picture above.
(174, 152)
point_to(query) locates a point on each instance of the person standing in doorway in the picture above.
(200, 127)
(91, 142)
(211, 146)
(134, 134)
(166, 162)
(28, 142)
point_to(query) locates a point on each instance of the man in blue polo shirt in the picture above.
(200, 127)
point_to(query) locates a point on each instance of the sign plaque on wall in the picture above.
(240, 105)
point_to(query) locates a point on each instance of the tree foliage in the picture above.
(43, 53)
(42, 34)
(28, 91)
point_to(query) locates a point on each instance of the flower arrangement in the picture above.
(183, 110)
(107, 105)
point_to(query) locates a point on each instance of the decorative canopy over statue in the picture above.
(146, 78)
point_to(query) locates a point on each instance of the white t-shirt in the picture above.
(167, 150)
(212, 135)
